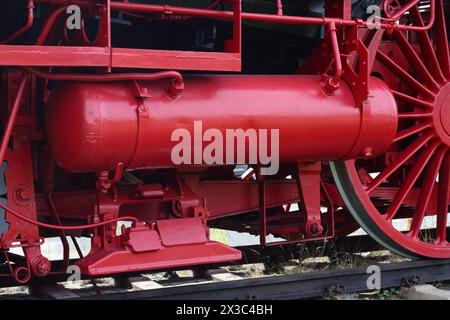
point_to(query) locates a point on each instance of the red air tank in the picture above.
(94, 126)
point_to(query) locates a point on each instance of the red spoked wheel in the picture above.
(412, 179)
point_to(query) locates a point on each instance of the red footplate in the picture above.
(162, 248)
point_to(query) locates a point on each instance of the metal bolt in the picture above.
(23, 195)
(315, 229)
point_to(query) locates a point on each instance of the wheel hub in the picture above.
(442, 114)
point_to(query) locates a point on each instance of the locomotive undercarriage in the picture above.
(72, 169)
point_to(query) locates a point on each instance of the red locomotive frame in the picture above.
(379, 125)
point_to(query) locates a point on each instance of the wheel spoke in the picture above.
(411, 179)
(442, 49)
(417, 69)
(426, 47)
(426, 191)
(414, 115)
(402, 74)
(443, 200)
(414, 59)
(417, 102)
(412, 131)
(404, 156)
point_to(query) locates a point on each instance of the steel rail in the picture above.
(297, 286)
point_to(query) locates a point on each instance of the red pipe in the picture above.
(49, 25)
(55, 227)
(403, 10)
(178, 78)
(62, 234)
(268, 18)
(206, 13)
(227, 15)
(26, 27)
(333, 83)
(176, 86)
(416, 28)
(257, 17)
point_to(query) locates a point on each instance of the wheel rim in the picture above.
(412, 179)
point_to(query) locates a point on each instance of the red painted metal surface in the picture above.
(85, 147)
(104, 262)
(173, 242)
(296, 104)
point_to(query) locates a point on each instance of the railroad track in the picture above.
(220, 284)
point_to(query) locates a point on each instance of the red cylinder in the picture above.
(94, 126)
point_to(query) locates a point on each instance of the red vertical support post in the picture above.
(19, 176)
(104, 34)
(262, 207)
(108, 31)
(309, 187)
(280, 7)
(234, 45)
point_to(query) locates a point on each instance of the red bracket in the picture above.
(306, 225)
(309, 186)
